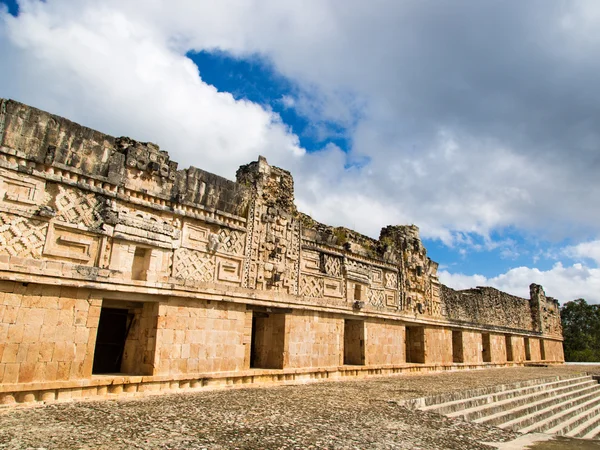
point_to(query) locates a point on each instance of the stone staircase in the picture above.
(568, 406)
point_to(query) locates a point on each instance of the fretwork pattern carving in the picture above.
(311, 286)
(22, 237)
(391, 280)
(376, 297)
(333, 265)
(232, 241)
(193, 265)
(76, 207)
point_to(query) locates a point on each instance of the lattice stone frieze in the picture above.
(232, 241)
(311, 286)
(76, 207)
(22, 237)
(376, 298)
(193, 265)
(391, 280)
(332, 265)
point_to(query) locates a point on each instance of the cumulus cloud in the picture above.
(463, 117)
(561, 282)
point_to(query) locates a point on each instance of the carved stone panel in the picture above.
(20, 236)
(229, 270)
(310, 261)
(333, 288)
(77, 207)
(23, 192)
(311, 286)
(70, 243)
(193, 265)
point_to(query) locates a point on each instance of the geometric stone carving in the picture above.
(194, 236)
(73, 206)
(232, 241)
(377, 277)
(376, 297)
(311, 261)
(391, 298)
(391, 280)
(332, 288)
(193, 265)
(229, 269)
(332, 265)
(311, 286)
(70, 243)
(20, 236)
(357, 271)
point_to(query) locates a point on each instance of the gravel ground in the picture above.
(354, 414)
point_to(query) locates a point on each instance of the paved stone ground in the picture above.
(355, 414)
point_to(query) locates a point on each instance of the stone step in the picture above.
(592, 434)
(564, 420)
(587, 422)
(425, 403)
(540, 410)
(536, 400)
(513, 391)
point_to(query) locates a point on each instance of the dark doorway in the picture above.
(542, 350)
(268, 339)
(527, 350)
(110, 342)
(486, 347)
(354, 342)
(457, 346)
(509, 349)
(415, 345)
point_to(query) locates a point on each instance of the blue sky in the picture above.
(475, 121)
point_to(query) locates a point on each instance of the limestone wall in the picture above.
(438, 345)
(195, 336)
(47, 333)
(211, 275)
(385, 343)
(314, 340)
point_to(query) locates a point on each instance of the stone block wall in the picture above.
(518, 348)
(472, 347)
(438, 345)
(385, 342)
(498, 348)
(553, 350)
(140, 346)
(200, 336)
(47, 333)
(314, 340)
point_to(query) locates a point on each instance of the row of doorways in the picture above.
(268, 338)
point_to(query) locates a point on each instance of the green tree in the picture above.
(581, 331)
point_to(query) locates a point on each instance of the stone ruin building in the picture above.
(121, 274)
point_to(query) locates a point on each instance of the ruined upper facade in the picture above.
(91, 225)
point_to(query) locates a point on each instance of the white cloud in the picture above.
(560, 282)
(585, 250)
(472, 116)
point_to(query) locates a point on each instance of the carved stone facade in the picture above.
(113, 260)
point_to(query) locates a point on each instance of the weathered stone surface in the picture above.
(189, 273)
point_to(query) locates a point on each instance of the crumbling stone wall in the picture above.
(488, 306)
(108, 214)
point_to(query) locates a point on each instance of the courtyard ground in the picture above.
(350, 414)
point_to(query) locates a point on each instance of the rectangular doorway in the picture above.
(113, 327)
(268, 340)
(527, 349)
(457, 346)
(415, 345)
(486, 348)
(542, 350)
(354, 342)
(509, 348)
